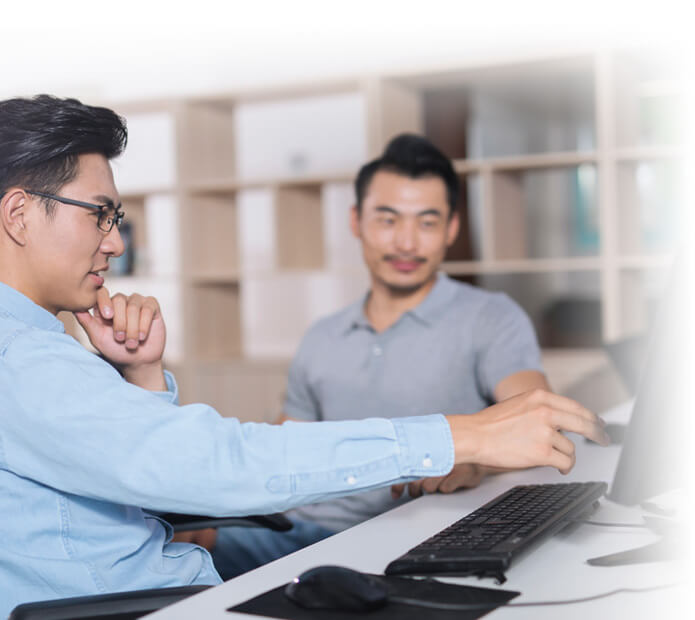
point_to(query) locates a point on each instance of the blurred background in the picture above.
(248, 121)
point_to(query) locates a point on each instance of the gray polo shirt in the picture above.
(447, 355)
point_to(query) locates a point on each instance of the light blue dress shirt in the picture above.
(82, 452)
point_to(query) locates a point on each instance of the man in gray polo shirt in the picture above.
(417, 342)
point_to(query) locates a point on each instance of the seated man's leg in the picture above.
(240, 549)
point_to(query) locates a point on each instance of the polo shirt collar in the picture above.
(23, 309)
(355, 318)
(442, 293)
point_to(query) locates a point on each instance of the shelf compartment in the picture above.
(206, 142)
(650, 98)
(523, 206)
(297, 136)
(299, 227)
(211, 236)
(641, 289)
(467, 246)
(213, 321)
(150, 160)
(649, 206)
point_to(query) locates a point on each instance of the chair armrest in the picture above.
(123, 605)
(183, 523)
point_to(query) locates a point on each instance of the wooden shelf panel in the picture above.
(658, 261)
(213, 321)
(206, 141)
(210, 235)
(529, 265)
(299, 227)
(212, 277)
(231, 185)
(641, 153)
(525, 162)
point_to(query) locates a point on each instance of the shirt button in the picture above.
(351, 480)
(377, 350)
(427, 462)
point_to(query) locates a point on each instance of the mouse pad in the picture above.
(275, 604)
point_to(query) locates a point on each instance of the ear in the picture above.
(355, 221)
(13, 215)
(452, 229)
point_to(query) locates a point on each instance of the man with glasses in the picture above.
(84, 448)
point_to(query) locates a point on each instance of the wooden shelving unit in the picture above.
(250, 194)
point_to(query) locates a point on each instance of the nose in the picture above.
(406, 236)
(112, 243)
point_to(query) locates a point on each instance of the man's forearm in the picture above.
(520, 382)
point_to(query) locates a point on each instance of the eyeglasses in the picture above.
(108, 214)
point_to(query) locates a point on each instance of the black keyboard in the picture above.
(485, 542)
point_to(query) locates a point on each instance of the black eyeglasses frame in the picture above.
(118, 216)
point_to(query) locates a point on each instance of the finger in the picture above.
(415, 488)
(87, 321)
(150, 309)
(397, 490)
(133, 310)
(562, 403)
(468, 478)
(591, 429)
(119, 304)
(562, 462)
(104, 303)
(563, 444)
(431, 485)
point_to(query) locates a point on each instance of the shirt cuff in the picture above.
(426, 445)
(172, 393)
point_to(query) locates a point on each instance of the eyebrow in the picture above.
(107, 202)
(429, 211)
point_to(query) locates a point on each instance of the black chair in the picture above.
(138, 603)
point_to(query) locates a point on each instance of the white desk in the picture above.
(555, 570)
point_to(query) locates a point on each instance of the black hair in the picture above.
(414, 157)
(42, 137)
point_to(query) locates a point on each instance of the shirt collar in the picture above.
(23, 309)
(442, 293)
(355, 317)
(426, 312)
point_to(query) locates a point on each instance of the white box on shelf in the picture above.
(299, 136)
(149, 161)
(342, 250)
(257, 244)
(163, 242)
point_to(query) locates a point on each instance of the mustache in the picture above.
(396, 257)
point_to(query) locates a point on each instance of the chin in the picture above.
(86, 302)
(404, 287)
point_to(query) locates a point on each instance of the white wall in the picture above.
(134, 49)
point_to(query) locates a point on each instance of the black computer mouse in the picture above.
(337, 587)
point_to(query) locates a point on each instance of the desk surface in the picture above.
(555, 570)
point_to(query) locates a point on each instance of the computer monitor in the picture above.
(655, 448)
